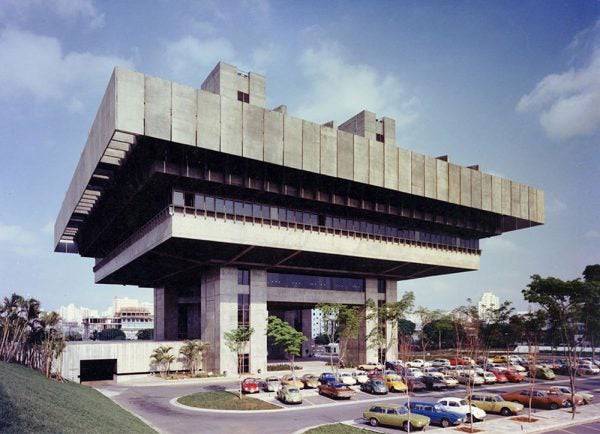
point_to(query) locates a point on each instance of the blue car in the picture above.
(327, 377)
(435, 414)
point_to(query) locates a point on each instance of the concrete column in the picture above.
(391, 296)
(165, 314)
(370, 324)
(258, 321)
(307, 331)
(219, 315)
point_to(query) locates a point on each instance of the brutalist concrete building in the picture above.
(232, 211)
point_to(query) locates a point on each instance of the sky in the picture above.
(513, 86)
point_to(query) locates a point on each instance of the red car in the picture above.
(500, 375)
(250, 385)
(375, 373)
(514, 376)
(461, 361)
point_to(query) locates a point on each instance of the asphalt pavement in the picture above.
(152, 404)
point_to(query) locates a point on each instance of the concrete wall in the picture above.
(135, 104)
(133, 357)
(258, 321)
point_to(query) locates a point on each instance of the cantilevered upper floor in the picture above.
(155, 144)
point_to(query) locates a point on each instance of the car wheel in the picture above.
(568, 403)
(554, 406)
(373, 422)
(469, 418)
(406, 426)
(445, 423)
(505, 411)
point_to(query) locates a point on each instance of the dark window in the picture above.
(182, 321)
(289, 280)
(243, 363)
(243, 310)
(379, 137)
(381, 286)
(243, 96)
(243, 277)
(189, 200)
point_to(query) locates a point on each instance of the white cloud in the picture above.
(19, 10)
(189, 57)
(36, 65)
(568, 103)
(337, 89)
(592, 234)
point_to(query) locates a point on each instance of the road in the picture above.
(152, 404)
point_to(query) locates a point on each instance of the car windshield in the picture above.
(495, 399)
(377, 383)
(463, 402)
(293, 390)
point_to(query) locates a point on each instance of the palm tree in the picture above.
(162, 358)
(192, 352)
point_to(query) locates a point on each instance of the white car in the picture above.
(432, 372)
(449, 381)
(416, 363)
(272, 384)
(517, 367)
(347, 379)
(413, 372)
(588, 368)
(361, 377)
(465, 377)
(489, 377)
(440, 363)
(461, 407)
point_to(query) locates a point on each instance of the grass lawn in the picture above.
(225, 401)
(31, 403)
(337, 428)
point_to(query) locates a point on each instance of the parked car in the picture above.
(543, 373)
(440, 363)
(433, 382)
(415, 363)
(395, 415)
(517, 367)
(500, 358)
(272, 384)
(250, 385)
(415, 384)
(394, 365)
(435, 372)
(462, 408)
(588, 368)
(413, 372)
(514, 376)
(326, 377)
(469, 377)
(488, 377)
(436, 414)
(289, 395)
(394, 383)
(360, 377)
(450, 382)
(310, 381)
(347, 379)
(336, 390)
(289, 380)
(370, 366)
(461, 361)
(374, 386)
(500, 375)
(539, 399)
(586, 397)
(375, 373)
(494, 403)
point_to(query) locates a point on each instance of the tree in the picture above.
(111, 335)
(192, 353)
(426, 316)
(387, 314)
(440, 330)
(288, 337)
(591, 306)
(341, 324)
(322, 339)
(145, 335)
(406, 327)
(73, 336)
(563, 302)
(591, 273)
(236, 340)
(162, 358)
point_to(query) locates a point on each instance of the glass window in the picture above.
(243, 363)
(199, 201)
(178, 199)
(219, 205)
(189, 200)
(243, 277)
(228, 206)
(209, 203)
(243, 310)
(381, 286)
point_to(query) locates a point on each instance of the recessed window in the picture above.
(381, 286)
(243, 277)
(379, 137)
(243, 363)
(243, 310)
(243, 97)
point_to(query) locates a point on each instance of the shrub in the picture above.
(111, 335)
(282, 367)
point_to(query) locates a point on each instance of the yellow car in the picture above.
(394, 383)
(500, 359)
(494, 403)
(396, 416)
(288, 380)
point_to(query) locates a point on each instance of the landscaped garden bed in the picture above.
(225, 401)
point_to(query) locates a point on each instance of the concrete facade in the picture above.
(312, 213)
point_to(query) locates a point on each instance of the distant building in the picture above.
(128, 319)
(317, 323)
(488, 303)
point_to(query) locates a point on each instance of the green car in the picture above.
(544, 373)
(493, 403)
(395, 415)
(289, 395)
